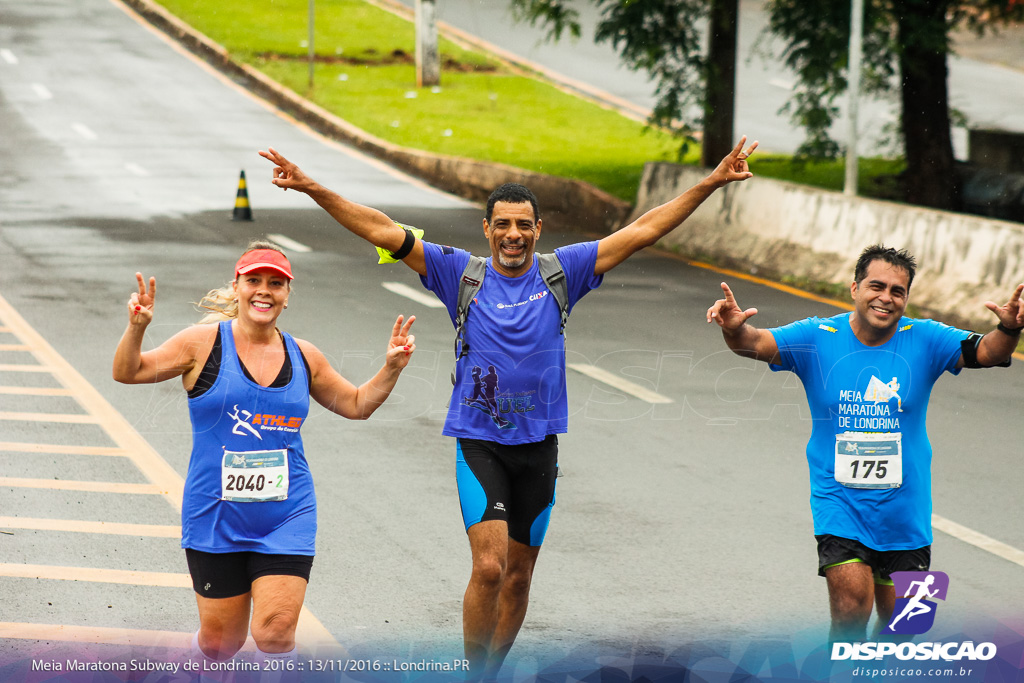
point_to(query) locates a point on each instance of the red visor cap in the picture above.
(264, 258)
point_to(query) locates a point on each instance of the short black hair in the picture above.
(899, 258)
(513, 193)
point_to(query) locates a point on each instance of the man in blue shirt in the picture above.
(509, 401)
(869, 455)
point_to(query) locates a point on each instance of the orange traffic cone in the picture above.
(242, 210)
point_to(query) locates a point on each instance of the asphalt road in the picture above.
(987, 94)
(682, 525)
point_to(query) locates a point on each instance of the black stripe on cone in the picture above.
(242, 212)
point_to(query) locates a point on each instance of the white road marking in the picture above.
(408, 292)
(978, 540)
(42, 91)
(289, 243)
(620, 383)
(84, 131)
(137, 170)
(8, 56)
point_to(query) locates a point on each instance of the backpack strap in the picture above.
(554, 277)
(469, 285)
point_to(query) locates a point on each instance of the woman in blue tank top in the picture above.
(248, 518)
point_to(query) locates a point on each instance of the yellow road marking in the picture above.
(95, 575)
(49, 417)
(34, 391)
(80, 526)
(95, 634)
(131, 443)
(61, 450)
(4, 330)
(14, 347)
(93, 486)
(18, 367)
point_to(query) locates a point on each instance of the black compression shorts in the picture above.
(225, 575)
(511, 483)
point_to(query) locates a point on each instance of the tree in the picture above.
(663, 38)
(906, 44)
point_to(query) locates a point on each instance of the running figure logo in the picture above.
(880, 392)
(484, 398)
(242, 424)
(915, 611)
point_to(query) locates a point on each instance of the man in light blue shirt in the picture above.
(868, 375)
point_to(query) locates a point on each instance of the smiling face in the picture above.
(879, 299)
(512, 232)
(262, 295)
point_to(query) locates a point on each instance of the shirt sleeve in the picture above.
(444, 270)
(578, 262)
(944, 344)
(793, 341)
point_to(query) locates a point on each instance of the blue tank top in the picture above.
(248, 486)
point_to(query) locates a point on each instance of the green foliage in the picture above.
(661, 37)
(816, 35)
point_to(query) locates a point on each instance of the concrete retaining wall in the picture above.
(565, 204)
(776, 228)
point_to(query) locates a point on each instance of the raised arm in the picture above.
(997, 346)
(372, 225)
(340, 396)
(661, 220)
(173, 358)
(744, 339)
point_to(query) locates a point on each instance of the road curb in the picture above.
(567, 204)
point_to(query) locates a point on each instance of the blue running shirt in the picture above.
(242, 431)
(861, 393)
(510, 387)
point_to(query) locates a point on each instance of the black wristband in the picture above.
(406, 248)
(1013, 332)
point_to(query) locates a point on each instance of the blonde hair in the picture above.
(222, 304)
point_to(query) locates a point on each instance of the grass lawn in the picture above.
(482, 110)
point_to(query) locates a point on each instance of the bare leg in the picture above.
(223, 625)
(885, 603)
(851, 593)
(512, 602)
(277, 601)
(488, 542)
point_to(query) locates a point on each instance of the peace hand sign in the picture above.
(140, 304)
(734, 166)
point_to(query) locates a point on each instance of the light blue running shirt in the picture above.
(869, 406)
(510, 387)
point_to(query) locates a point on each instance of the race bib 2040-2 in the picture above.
(254, 476)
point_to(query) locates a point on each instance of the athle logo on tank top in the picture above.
(487, 398)
(250, 424)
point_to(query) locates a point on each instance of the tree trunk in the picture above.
(922, 37)
(720, 103)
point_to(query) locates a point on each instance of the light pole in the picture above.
(856, 52)
(428, 60)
